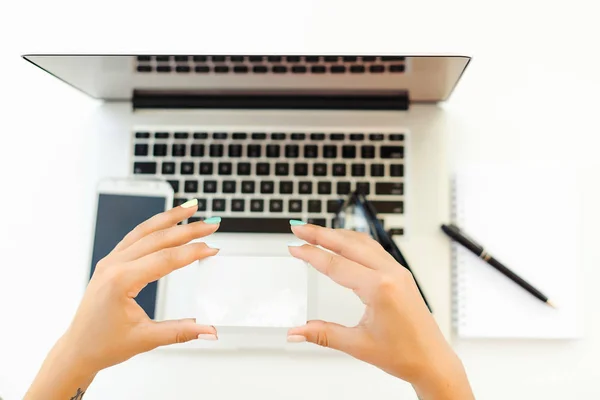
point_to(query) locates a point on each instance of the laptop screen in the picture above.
(117, 77)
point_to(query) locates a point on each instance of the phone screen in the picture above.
(117, 215)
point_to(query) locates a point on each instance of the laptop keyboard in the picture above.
(257, 181)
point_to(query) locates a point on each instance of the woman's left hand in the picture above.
(109, 326)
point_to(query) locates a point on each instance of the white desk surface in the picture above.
(529, 95)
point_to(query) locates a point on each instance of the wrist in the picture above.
(444, 380)
(71, 359)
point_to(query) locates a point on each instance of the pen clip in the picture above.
(470, 239)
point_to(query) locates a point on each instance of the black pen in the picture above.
(455, 234)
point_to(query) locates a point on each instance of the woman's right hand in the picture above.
(397, 332)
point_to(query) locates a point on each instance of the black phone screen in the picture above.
(117, 215)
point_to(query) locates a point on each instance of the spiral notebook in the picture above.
(527, 217)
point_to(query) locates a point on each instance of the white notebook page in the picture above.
(526, 216)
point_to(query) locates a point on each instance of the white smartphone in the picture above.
(121, 204)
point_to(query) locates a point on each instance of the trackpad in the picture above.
(236, 291)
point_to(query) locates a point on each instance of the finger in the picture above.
(178, 331)
(331, 335)
(352, 245)
(175, 236)
(341, 270)
(154, 266)
(160, 221)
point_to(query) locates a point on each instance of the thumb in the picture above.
(180, 331)
(329, 334)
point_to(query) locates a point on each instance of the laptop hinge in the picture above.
(278, 101)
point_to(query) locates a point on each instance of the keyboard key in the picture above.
(337, 136)
(357, 136)
(239, 136)
(292, 150)
(279, 69)
(276, 205)
(388, 207)
(161, 135)
(324, 188)
(225, 168)
(278, 136)
(238, 205)
(357, 69)
(320, 169)
(190, 186)
(221, 69)
(187, 168)
(396, 68)
(210, 187)
(243, 169)
(218, 59)
(349, 151)
(160, 150)
(200, 58)
(314, 206)
(255, 225)
(337, 69)
(263, 169)
(256, 59)
(376, 69)
(206, 168)
(201, 204)
(220, 135)
(317, 69)
(298, 136)
(286, 187)
(257, 205)
(144, 58)
(174, 185)
(392, 151)
(168, 168)
(142, 135)
(301, 169)
(181, 135)
(376, 137)
(182, 69)
(395, 188)
(202, 69)
(368, 152)
(396, 232)
(339, 169)
(393, 58)
(299, 69)
(343, 188)
(369, 59)
(330, 151)
(254, 150)
(397, 137)
(178, 202)
(295, 206)
(317, 221)
(311, 151)
(241, 69)
(274, 59)
(363, 187)
(236, 59)
(317, 136)
(273, 151)
(292, 59)
(140, 150)
(191, 220)
(282, 169)
(350, 58)
(267, 187)
(259, 69)
(218, 205)
(163, 68)
(259, 136)
(358, 169)
(333, 206)
(229, 186)
(377, 170)
(178, 150)
(235, 150)
(247, 186)
(305, 187)
(200, 135)
(331, 58)
(197, 150)
(312, 59)
(216, 150)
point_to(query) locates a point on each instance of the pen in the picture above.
(455, 234)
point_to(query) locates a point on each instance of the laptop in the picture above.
(260, 140)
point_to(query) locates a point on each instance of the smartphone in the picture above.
(121, 205)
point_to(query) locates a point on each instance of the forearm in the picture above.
(61, 377)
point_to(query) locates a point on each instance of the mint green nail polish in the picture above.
(295, 222)
(212, 220)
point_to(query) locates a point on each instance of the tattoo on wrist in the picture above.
(78, 395)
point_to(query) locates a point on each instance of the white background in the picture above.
(531, 92)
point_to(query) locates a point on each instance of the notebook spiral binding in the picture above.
(458, 274)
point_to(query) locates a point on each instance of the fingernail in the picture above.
(212, 220)
(296, 339)
(295, 222)
(207, 336)
(190, 203)
(295, 244)
(212, 245)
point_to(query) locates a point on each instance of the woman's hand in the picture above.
(397, 332)
(109, 326)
